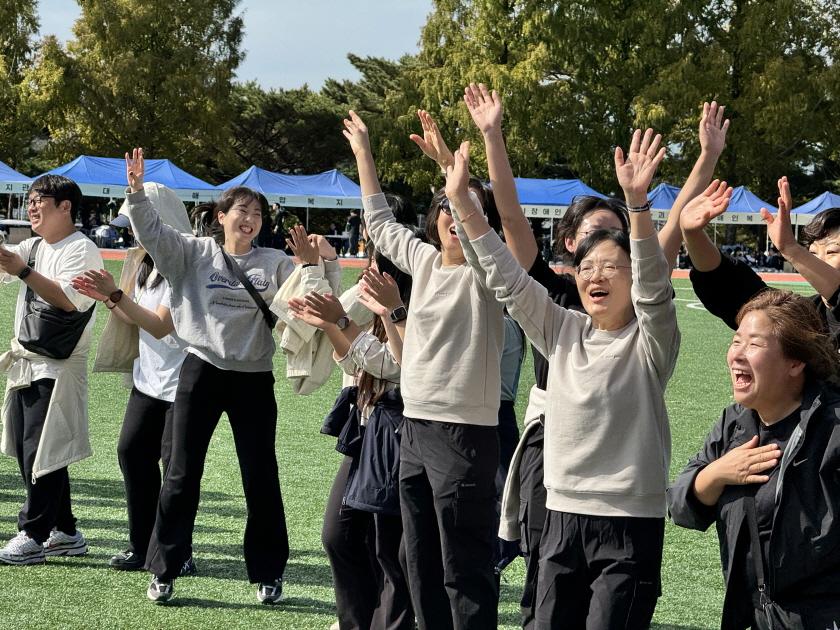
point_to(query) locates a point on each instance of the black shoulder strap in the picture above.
(270, 318)
(755, 546)
(33, 251)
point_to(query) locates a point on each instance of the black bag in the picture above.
(47, 330)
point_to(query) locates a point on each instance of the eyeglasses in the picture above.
(445, 207)
(608, 270)
(37, 200)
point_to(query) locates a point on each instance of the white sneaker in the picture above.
(22, 550)
(61, 544)
(270, 592)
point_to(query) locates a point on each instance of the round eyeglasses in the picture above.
(608, 270)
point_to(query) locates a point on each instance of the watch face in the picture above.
(343, 322)
(399, 314)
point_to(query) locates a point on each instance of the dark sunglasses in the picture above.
(445, 207)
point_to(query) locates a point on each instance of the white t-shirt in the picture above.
(157, 368)
(60, 262)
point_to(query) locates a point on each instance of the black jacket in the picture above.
(724, 290)
(805, 540)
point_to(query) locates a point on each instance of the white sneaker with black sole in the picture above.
(61, 544)
(160, 591)
(270, 592)
(22, 550)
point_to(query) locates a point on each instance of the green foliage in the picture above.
(145, 74)
(17, 126)
(286, 131)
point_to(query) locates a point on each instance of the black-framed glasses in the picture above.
(37, 200)
(445, 207)
(608, 270)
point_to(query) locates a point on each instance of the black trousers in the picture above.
(371, 590)
(506, 551)
(532, 512)
(599, 572)
(447, 497)
(145, 441)
(47, 503)
(204, 392)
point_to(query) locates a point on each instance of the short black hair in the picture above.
(61, 189)
(485, 197)
(619, 237)
(579, 209)
(824, 224)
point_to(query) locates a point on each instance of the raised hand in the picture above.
(636, 171)
(357, 133)
(485, 108)
(713, 129)
(135, 169)
(379, 292)
(98, 285)
(319, 310)
(432, 143)
(325, 249)
(779, 229)
(305, 250)
(700, 211)
(458, 177)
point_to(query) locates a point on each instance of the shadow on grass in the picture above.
(296, 604)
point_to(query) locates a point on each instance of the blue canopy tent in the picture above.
(805, 213)
(11, 181)
(663, 197)
(549, 198)
(324, 190)
(105, 177)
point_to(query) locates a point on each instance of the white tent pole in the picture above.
(307, 219)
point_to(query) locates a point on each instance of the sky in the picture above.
(292, 42)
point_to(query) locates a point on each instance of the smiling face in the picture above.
(241, 225)
(607, 300)
(763, 378)
(450, 246)
(828, 249)
(47, 216)
(595, 220)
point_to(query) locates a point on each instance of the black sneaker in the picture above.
(159, 591)
(189, 568)
(128, 561)
(270, 592)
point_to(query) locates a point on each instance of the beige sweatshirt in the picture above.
(454, 333)
(607, 437)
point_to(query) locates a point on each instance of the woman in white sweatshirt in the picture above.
(607, 440)
(228, 369)
(450, 386)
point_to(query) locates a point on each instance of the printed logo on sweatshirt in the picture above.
(219, 281)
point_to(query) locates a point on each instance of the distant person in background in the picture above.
(354, 226)
(279, 235)
(266, 235)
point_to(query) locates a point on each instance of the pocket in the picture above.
(475, 507)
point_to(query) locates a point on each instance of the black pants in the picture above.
(532, 512)
(370, 586)
(599, 572)
(204, 392)
(145, 440)
(506, 550)
(47, 503)
(447, 497)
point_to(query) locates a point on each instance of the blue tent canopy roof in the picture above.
(743, 201)
(11, 181)
(105, 177)
(324, 190)
(551, 192)
(663, 197)
(823, 202)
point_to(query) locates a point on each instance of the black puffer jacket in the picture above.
(805, 540)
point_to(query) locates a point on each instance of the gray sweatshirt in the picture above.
(213, 313)
(607, 437)
(454, 332)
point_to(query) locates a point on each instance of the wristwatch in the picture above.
(116, 296)
(343, 322)
(399, 314)
(25, 272)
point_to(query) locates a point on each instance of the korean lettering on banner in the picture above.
(339, 202)
(8, 186)
(750, 218)
(195, 195)
(281, 200)
(310, 201)
(106, 191)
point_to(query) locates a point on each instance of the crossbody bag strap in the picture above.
(232, 265)
(755, 548)
(30, 294)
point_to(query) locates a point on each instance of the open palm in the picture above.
(485, 108)
(700, 211)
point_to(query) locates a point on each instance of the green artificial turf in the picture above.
(84, 592)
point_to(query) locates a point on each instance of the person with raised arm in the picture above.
(607, 438)
(365, 493)
(724, 284)
(450, 383)
(228, 368)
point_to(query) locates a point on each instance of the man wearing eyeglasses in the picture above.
(45, 415)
